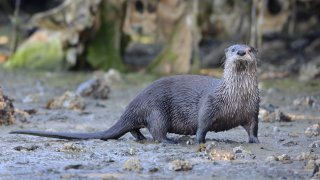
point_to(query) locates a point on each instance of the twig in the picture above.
(15, 24)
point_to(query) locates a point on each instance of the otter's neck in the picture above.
(240, 80)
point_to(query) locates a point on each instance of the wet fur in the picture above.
(189, 105)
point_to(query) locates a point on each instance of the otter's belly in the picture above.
(224, 124)
(187, 127)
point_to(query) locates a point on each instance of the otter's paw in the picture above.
(253, 139)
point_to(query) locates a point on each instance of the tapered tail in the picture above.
(115, 132)
(60, 135)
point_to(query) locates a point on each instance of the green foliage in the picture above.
(38, 55)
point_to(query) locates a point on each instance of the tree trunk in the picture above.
(104, 49)
(180, 53)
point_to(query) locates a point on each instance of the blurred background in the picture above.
(74, 65)
(160, 36)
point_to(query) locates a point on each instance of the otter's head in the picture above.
(241, 58)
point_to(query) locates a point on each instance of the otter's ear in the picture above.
(254, 50)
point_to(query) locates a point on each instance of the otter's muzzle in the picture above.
(241, 53)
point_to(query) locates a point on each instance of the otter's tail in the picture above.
(59, 135)
(115, 132)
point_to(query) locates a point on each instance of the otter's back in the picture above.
(177, 98)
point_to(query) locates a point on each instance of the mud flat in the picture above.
(285, 150)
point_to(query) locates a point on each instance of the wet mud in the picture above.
(285, 151)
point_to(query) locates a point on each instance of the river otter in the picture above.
(189, 104)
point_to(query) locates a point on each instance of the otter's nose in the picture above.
(241, 53)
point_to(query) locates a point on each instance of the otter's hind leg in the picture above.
(158, 127)
(137, 134)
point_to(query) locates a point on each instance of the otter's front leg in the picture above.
(201, 136)
(252, 129)
(206, 119)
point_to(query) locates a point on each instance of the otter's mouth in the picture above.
(241, 64)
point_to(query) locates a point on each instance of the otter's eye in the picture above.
(233, 50)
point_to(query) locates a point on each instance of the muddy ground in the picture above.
(29, 157)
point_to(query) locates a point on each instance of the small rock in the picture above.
(7, 112)
(211, 146)
(219, 154)
(281, 117)
(154, 169)
(238, 149)
(290, 143)
(308, 101)
(272, 115)
(313, 130)
(307, 156)
(68, 100)
(108, 159)
(241, 153)
(74, 166)
(133, 164)
(293, 134)
(113, 75)
(20, 115)
(265, 115)
(284, 158)
(30, 148)
(202, 147)
(303, 101)
(180, 165)
(272, 158)
(71, 147)
(99, 86)
(310, 164)
(95, 87)
(190, 142)
(315, 144)
(132, 151)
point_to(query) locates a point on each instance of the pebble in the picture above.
(313, 130)
(272, 158)
(285, 158)
(71, 147)
(315, 144)
(219, 154)
(241, 153)
(133, 164)
(303, 101)
(273, 115)
(7, 111)
(307, 156)
(68, 100)
(132, 151)
(29, 148)
(180, 165)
